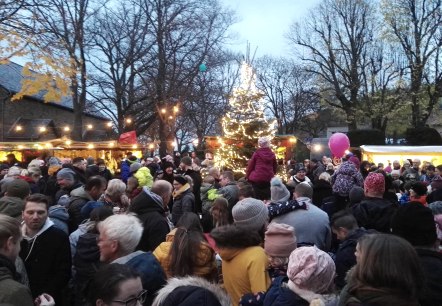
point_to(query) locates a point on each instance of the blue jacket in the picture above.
(280, 295)
(152, 275)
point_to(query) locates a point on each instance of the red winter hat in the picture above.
(374, 183)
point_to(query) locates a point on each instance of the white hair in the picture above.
(325, 176)
(115, 188)
(126, 229)
(264, 142)
(13, 171)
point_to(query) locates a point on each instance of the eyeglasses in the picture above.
(141, 297)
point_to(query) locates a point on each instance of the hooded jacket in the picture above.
(79, 197)
(244, 262)
(150, 210)
(191, 291)
(374, 213)
(184, 202)
(144, 177)
(12, 206)
(205, 257)
(345, 256)
(47, 259)
(12, 292)
(59, 215)
(262, 166)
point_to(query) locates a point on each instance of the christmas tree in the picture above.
(243, 124)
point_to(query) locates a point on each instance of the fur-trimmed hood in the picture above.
(193, 291)
(235, 237)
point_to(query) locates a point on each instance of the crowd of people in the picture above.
(160, 231)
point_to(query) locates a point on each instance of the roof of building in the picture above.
(11, 77)
(31, 129)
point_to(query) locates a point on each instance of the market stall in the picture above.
(387, 154)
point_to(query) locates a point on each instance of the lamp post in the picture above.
(168, 117)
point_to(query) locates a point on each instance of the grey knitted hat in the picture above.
(67, 174)
(134, 167)
(250, 212)
(279, 193)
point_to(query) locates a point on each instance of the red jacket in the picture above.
(262, 166)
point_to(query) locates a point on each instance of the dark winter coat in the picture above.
(345, 256)
(12, 292)
(196, 189)
(47, 258)
(80, 174)
(321, 190)
(231, 193)
(106, 174)
(431, 262)
(79, 197)
(152, 275)
(374, 213)
(150, 210)
(434, 196)
(185, 202)
(280, 295)
(262, 166)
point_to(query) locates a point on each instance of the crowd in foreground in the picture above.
(72, 233)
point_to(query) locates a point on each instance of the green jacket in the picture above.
(11, 291)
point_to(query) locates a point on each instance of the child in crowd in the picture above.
(309, 281)
(220, 212)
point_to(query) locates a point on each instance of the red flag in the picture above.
(128, 138)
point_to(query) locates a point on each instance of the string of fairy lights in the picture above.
(246, 109)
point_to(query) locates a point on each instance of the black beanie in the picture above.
(180, 179)
(415, 223)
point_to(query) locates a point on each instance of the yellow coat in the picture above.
(244, 271)
(205, 258)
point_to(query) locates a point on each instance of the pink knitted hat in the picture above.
(374, 182)
(311, 269)
(280, 240)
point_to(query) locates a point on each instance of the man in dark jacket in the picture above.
(45, 250)
(92, 191)
(415, 223)
(79, 165)
(229, 189)
(374, 212)
(151, 208)
(186, 167)
(346, 229)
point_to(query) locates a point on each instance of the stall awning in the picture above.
(402, 149)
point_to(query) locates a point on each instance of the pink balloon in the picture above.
(338, 144)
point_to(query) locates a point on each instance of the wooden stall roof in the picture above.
(63, 143)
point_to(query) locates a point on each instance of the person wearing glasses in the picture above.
(118, 238)
(116, 284)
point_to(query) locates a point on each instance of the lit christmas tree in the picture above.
(243, 124)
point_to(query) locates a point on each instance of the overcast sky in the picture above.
(264, 23)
